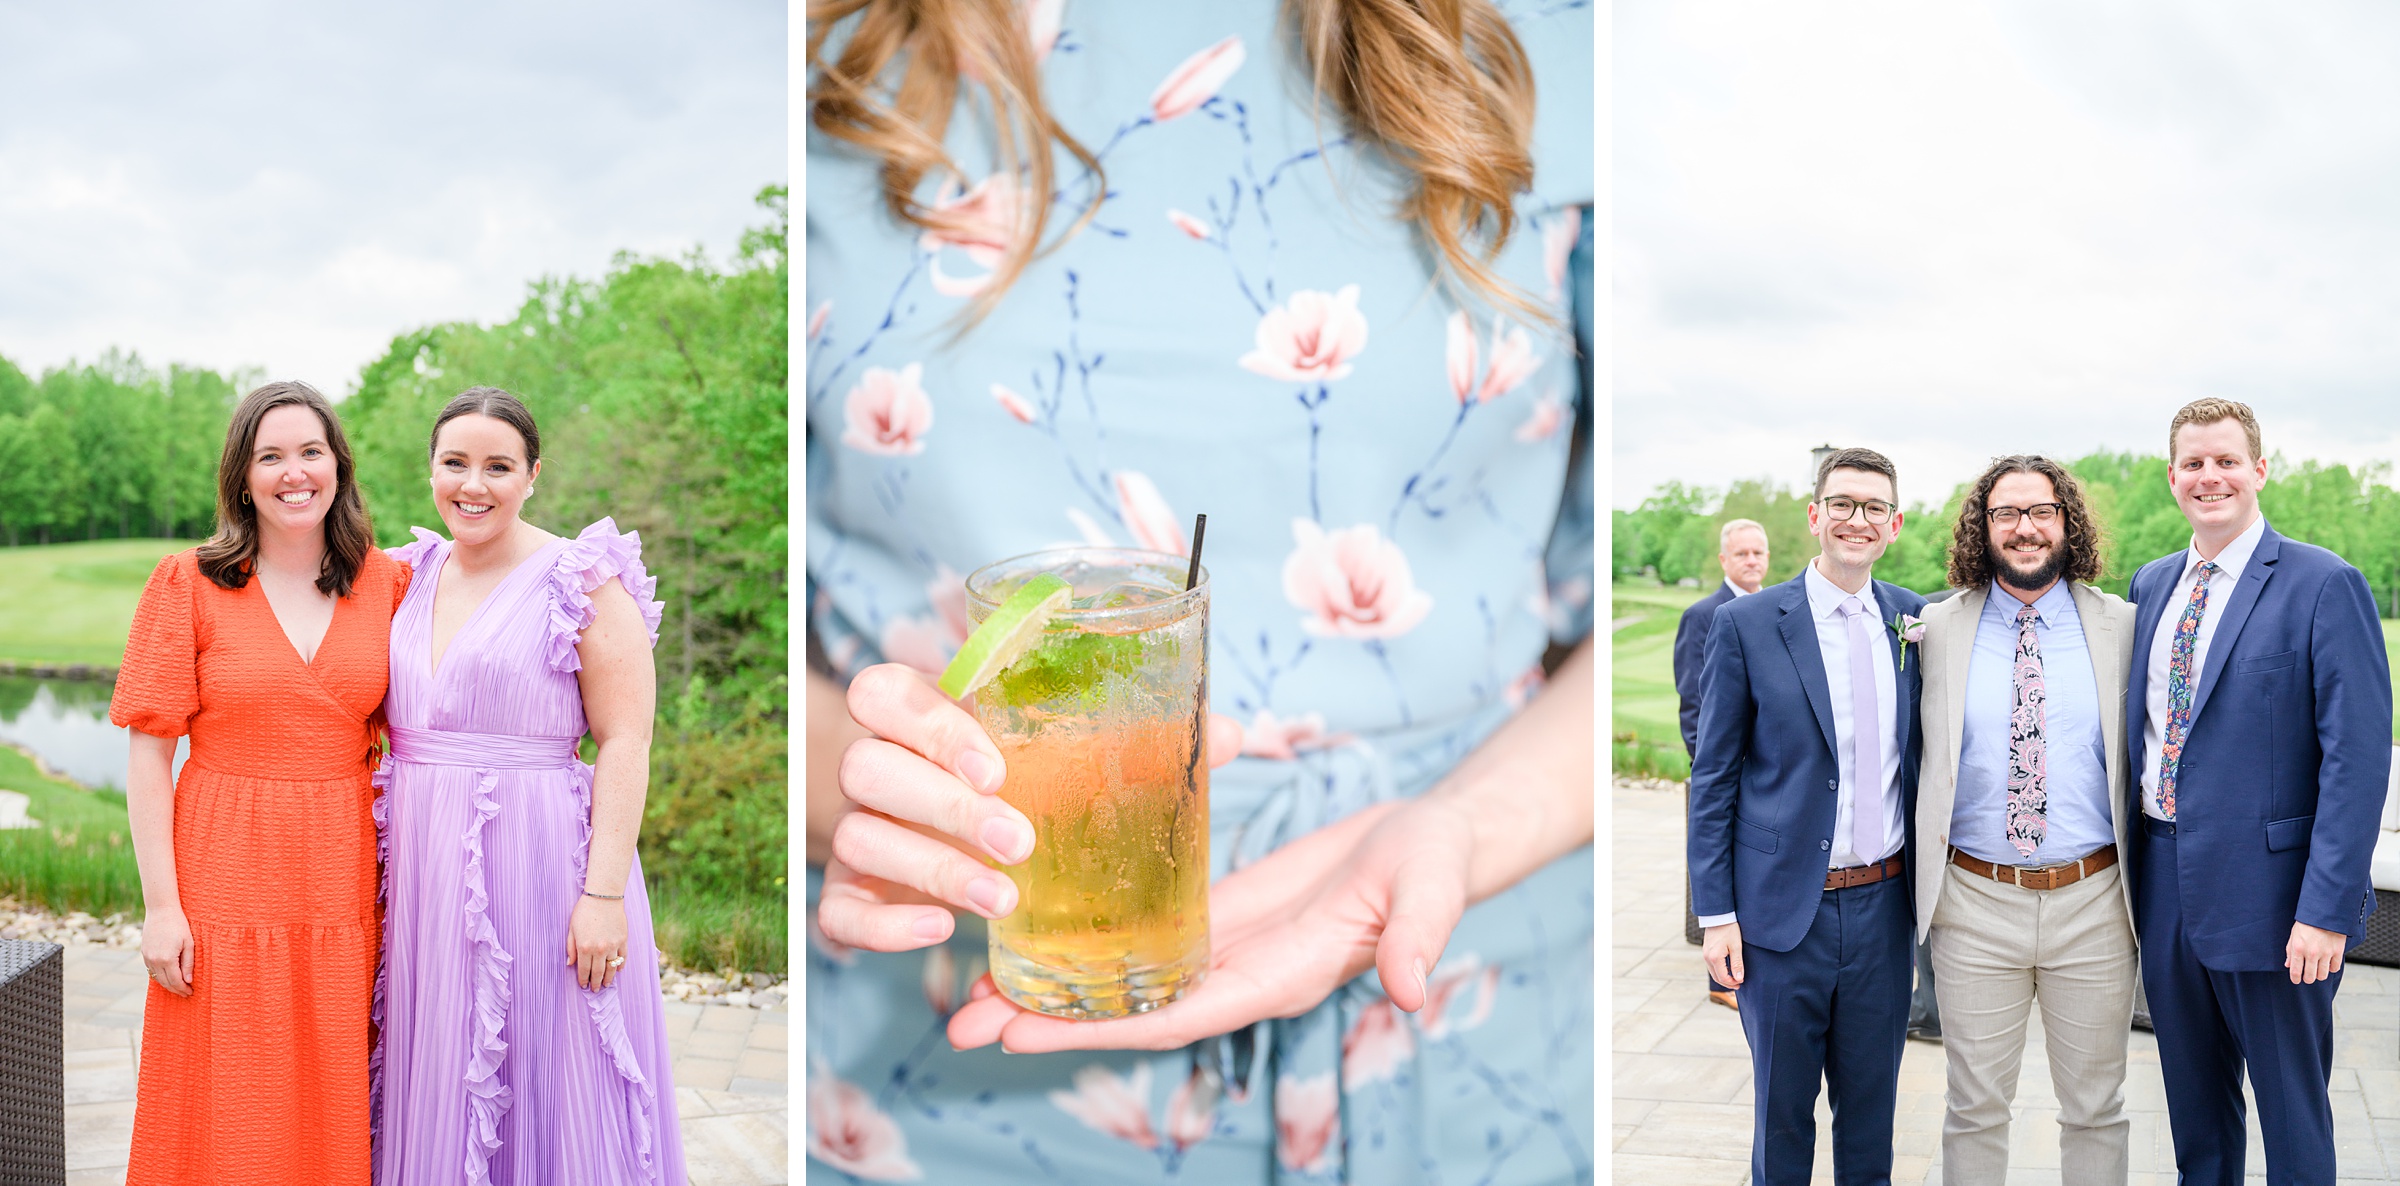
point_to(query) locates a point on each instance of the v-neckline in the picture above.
(434, 662)
(308, 663)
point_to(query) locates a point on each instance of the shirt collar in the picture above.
(2233, 559)
(2058, 601)
(1825, 598)
(1735, 589)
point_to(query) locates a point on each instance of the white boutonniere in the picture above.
(1910, 628)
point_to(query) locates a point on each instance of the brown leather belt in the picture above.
(1863, 874)
(2050, 878)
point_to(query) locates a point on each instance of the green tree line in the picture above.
(1672, 535)
(660, 391)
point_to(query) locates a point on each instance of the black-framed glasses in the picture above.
(1839, 509)
(2042, 513)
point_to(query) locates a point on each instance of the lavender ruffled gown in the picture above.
(492, 1065)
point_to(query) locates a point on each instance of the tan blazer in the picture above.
(1949, 645)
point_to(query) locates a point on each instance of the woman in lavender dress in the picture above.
(521, 1035)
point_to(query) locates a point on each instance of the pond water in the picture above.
(66, 723)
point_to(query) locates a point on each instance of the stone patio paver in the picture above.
(734, 1109)
(1680, 1081)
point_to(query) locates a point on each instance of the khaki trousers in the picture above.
(1997, 949)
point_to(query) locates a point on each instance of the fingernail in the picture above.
(930, 927)
(989, 895)
(981, 989)
(981, 772)
(1009, 840)
(1420, 966)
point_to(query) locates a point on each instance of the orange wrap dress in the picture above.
(260, 1076)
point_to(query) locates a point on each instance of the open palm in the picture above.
(1380, 889)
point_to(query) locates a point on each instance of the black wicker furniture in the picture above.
(33, 1086)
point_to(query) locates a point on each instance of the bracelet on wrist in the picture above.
(604, 897)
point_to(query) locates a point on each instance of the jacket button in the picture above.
(1833, 784)
(1824, 846)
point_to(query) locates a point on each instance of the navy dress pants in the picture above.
(2210, 1023)
(1833, 1010)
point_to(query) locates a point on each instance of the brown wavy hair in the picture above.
(1442, 85)
(1971, 563)
(228, 556)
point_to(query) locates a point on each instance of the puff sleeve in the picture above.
(158, 686)
(591, 560)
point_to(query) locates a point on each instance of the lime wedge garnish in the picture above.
(1006, 635)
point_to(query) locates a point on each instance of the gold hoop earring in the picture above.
(245, 498)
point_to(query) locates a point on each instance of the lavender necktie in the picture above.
(1866, 740)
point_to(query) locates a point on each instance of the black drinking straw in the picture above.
(1199, 532)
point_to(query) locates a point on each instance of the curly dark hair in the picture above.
(1971, 562)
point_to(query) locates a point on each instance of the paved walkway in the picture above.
(731, 1085)
(1681, 1077)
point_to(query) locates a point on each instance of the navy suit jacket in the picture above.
(2280, 792)
(1765, 781)
(1691, 642)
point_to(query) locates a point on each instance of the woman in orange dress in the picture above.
(268, 645)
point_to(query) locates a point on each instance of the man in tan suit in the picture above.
(2021, 809)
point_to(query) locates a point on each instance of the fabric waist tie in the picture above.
(442, 747)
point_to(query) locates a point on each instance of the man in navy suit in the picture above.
(1742, 554)
(2259, 712)
(1801, 798)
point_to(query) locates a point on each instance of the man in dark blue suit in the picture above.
(1742, 555)
(1801, 801)
(2259, 712)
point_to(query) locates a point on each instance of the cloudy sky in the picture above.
(288, 185)
(1955, 230)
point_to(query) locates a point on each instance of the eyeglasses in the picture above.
(1840, 509)
(2042, 513)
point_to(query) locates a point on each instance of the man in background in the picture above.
(1742, 554)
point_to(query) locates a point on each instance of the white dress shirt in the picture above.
(2221, 584)
(1833, 644)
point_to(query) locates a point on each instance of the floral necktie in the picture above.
(2028, 755)
(2179, 687)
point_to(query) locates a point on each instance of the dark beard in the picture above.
(2037, 580)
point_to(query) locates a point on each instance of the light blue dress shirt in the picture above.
(2077, 782)
(1833, 644)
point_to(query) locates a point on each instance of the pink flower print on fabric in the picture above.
(1439, 1018)
(1196, 81)
(1147, 515)
(848, 1132)
(982, 222)
(2028, 750)
(2179, 687)
(1310, 339)
(1513, 359)
(1189, 225)
(1308, 1122)
(1549, 415)
(1376, 1046)
(888, 413)
(816, 320)
(921, 643)
(1558, 243)
(1285, 740)
(1013, 404)
(1192, 1109)
(1116, 1105)
(1352, 583)
(1043, 20)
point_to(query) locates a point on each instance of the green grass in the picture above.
(1645, 734)
(80, 858)
(1645, 740)
(717, 934)
(73, 603)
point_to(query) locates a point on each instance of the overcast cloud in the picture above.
(287, 186)
(1954, 230)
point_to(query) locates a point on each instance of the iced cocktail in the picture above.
(1103, 726)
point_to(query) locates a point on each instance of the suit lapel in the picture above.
(2237, 614)
(1904, 706)
(1800, 638)
(1958, 644)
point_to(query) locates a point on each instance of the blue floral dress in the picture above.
(1394, 537)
